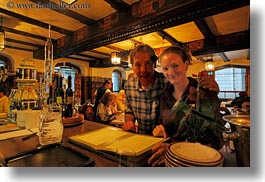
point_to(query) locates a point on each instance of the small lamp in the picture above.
(209, 66)
(115, 59)
(2, 37)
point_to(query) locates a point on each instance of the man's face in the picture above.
(109, 85)
(143, 66)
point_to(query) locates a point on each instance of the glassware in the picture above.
(50, 127)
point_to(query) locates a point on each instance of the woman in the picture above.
(106, 109)
(181, 89)
(4, 103)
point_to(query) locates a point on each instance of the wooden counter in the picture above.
(12, 146)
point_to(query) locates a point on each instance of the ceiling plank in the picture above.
(224, 57)
(67, 12)
(7, 29)
(169, 38)
(119, 5)
(35, 22)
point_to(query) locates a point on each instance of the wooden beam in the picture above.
(35, 22)
(87, 56)
(169, 38)
(114, 48)
(67, 12)
(224, 57)
(119, 5)
(205, 30)
(25, 34)
(98, 52)
(172, 13)
(19, 48)
(24, 43)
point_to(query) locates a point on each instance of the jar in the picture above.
(51, 127)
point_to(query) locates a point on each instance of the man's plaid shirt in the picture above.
(144, 105)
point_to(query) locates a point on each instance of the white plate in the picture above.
(195, 152)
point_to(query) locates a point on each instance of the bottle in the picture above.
(50, 98)
(58, 92)
(69, 98)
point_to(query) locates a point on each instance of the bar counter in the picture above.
(13, 146)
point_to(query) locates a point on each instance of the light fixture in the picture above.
(209, 66)
(69, 1)
(115, 59)
(2, 36)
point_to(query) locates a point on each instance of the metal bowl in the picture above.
(239, 120)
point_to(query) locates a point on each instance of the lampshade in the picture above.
(209, 66)
(69, 1)
(115, 59)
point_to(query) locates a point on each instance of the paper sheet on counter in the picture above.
(17, 133)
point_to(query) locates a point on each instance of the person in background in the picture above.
(143, 91)
(238, 101)
(174, 63)
(4, 103)
(106, 110)
(120, 100)
(105, 88)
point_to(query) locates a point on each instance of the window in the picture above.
(116, 81)
(2, 63)
(231, 81)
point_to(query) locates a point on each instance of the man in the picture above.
(143, 91)
(105, 88)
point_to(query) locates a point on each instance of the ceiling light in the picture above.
(115, 59)
(69, 1)
(209, 66)
(2, 36)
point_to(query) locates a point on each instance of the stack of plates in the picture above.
(185, 154)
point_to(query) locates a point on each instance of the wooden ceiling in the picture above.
(89, 30)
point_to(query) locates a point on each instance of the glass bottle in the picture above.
(69, 98)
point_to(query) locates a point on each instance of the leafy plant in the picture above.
(199, 120)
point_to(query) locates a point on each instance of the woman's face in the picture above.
(143, 66)
(173, 67)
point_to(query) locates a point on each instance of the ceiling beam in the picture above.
(224, 57)
(19, 48)
(98, 52)
(173, 13)
(80, 59)
(87, 56)
(35, 22)
(67, 12)
(205, 30)
(119, 5)
(169, 38)
(114, 48)
(24, 43)
(25, 34)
